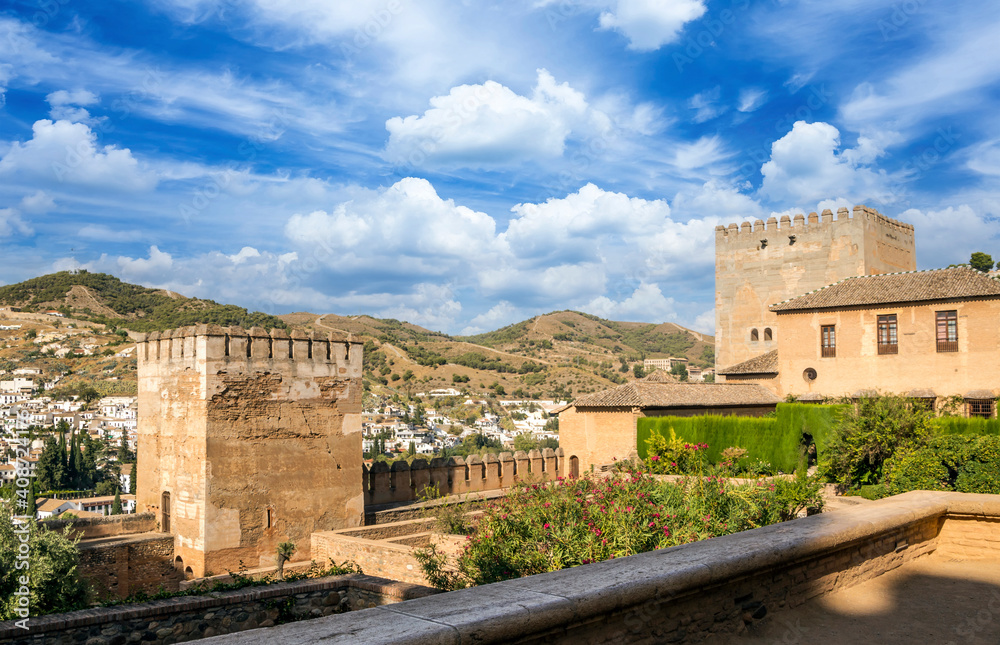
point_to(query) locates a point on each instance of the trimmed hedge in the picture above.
(773, 439)
(964, 426)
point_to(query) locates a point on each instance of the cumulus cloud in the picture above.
(489, 124)
(38, 203)
(11, 223)
(807, 165)
(650, 24)
(646, 302)
(950, 235)
(500, 315)
(407, 222)
(68, 152)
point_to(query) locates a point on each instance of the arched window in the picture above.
(754, 336)
(767, 334)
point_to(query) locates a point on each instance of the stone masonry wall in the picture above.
(98, 527)
(120, 566)
(253, 438)
(176, 620)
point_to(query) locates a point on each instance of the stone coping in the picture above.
(514, 609)
(398, 591)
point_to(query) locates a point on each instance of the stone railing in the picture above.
(402, 482)
(687, 593)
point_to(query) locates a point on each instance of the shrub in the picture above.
(671, 456)
(539, 528)
(963, 463)
(870, 433)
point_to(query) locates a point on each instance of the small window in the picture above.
(983, 408)
(809, 374)
(270, 518)
(947, 331)
(754, 336)
(828, 341)
(767, 334)
(888, 338)
(165, 513)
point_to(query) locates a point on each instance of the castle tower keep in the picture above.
(760, 264)
(248, 439)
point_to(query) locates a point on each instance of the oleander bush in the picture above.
(539, 528)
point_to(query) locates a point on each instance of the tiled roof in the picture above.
(660, 376)
(763, 364)
(641, 394)
(912, 286)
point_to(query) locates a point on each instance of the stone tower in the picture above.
(762, 264)
(247, 439)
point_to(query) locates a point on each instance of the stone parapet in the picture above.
(687, 593)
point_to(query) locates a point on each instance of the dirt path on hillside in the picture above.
(319, 323)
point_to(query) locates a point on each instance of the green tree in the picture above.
(680, 371)
(53, 561)
(981, 261)
(638, 370)
(123, 451)
(872, 431)
(50, 470)
(116, 506)
(411, 450)
(133, 476)
(89, 395)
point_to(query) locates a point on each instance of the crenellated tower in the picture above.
(759, 264)
(248, 439)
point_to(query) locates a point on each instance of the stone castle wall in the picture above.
(760, 264)
(255, 436)
(402, 482)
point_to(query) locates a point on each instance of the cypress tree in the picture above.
(72, 475)
(62, 459)
(83, 481)
(32, 506)
(116, 506)
(50, 470)
(132, 479)
(90, 450)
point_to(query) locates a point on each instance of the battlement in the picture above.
(255, 346)
(806, 224)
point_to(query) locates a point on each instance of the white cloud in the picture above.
(68, 152)
(702, 153)
(984, 158)
(65, 105)
(650, 24)
(647, 302)
(715, 198)
(950, 235)
(706, 104)
(500, 315)
(407, 223)
(38, 203)
(807, 166)
(489, 124)
(102, 233)
(751, 98)
(11, 222)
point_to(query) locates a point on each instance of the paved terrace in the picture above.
(915, 568)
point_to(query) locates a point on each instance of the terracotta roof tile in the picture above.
(912, 286)
(763, 364)
(641, 394)
(660, 376)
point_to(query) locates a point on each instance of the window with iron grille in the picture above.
(829, 341)
(888, 341)
(981, 408)
(947, 331)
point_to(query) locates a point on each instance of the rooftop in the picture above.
(644, 394)
(890, 288)
(763, 364)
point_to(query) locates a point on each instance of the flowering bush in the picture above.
(672, 456)
(539, 528)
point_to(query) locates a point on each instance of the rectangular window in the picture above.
(829, 341)
(981, 408)
(888, 341)
(947, 331)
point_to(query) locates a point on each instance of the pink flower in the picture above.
(656, 457)
(546, 525)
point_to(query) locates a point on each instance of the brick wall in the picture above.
(971, 537)
(98, 527)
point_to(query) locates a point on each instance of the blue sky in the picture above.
(465, 165)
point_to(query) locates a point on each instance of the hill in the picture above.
(558, 355)
(104, 299)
